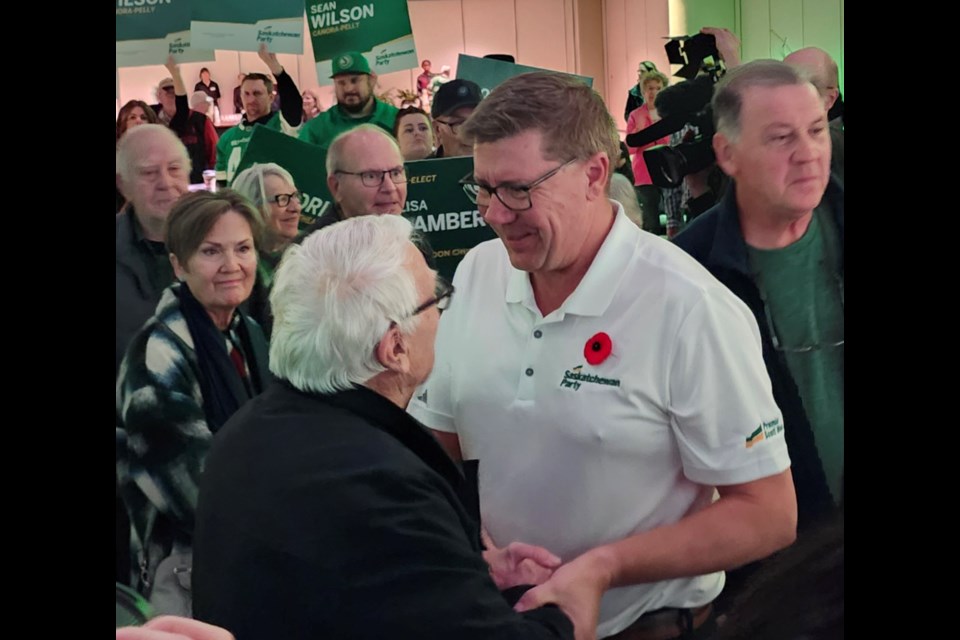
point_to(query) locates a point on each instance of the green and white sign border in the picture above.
(143, 53)
(282, 35)
(388, 57)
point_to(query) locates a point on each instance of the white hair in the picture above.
(623, 192)
(130, 146)
(333, 299)
(199, 101)
(249, 183)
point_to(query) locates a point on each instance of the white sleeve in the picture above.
(727, 424)
(287, 128)
(432, 403)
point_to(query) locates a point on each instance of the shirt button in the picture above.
(529, 371)
(537, 333)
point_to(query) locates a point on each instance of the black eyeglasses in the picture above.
(397, 175)
(283, 199)
(515, 197)
(442, 295)
(168, 89)
(772, 329)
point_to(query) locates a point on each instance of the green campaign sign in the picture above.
(379, 29)
(305, 162)
(489, 73)
(242, 25)
(150, 30)
(438, 206)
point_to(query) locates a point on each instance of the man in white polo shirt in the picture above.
(606, 382)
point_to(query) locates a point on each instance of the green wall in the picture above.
(774, 28)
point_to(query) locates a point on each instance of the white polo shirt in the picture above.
(574, 455)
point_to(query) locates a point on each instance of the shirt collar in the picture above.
(602, 279)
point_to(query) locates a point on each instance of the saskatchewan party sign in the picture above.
(150, 30)
(305, 162)
(438, 207)
(488, 73)
(437, 204)
(242, 25)
(379, 29)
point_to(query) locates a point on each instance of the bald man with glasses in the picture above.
(365, 176)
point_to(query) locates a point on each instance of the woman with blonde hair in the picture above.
(311, 104)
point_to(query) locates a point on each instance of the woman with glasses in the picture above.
(271, 189)
(187, 371)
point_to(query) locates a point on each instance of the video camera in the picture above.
(686, 103)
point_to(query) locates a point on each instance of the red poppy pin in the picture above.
(598, 348)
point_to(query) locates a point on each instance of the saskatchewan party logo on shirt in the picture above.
(765, 430)
(573, 378)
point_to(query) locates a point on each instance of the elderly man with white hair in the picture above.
(153, 169)
(326, 510)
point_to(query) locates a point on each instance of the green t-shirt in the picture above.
(234, 142)
(803, 289)
(332, 122)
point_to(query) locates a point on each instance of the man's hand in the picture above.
(270, 59)
(174, 628)
(519, 563)
(179, 87)
(576, 588)
(727, 44)
(171, 65)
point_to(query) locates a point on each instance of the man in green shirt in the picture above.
(356, 104)
(776, 240)
(256, 92)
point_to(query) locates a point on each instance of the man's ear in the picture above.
(392, 351)
(333, 185)
(598, 169)
(723, 148)
(832, 94)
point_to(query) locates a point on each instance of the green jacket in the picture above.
(332, 122)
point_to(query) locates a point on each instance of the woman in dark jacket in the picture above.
(191, 366)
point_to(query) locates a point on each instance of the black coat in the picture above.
(340, 516)
(715, 240)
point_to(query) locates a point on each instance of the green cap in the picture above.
(349, 62)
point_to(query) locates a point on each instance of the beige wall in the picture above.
(635, 31)
(773, 28)
(564, 35)
(604, 39)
